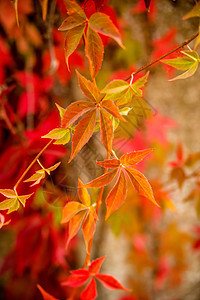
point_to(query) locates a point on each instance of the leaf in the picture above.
(74, 111)
(191, 54)
(88, 88)
(23, 198)
(188, 73)
(95, 265)
(90, 292)
(44, 6)
(106, 130)
(110, 282)
(88, 227)
(52, 168)
(75, 224)
(64, 140)
(83, 132)
(94, 51)
(78, 278)
(46, 296)
(197, 42)
(138, 84)
(116, 196)
(16, 11)
(102, 180)
(132, 158)
(72, 208)
(147, 4)
(56, 133)
(115, 86)
(72, 40)
(73, 7)
(8, 193)
(61, 111)
(112, 108)
(179, 63)
(83, 194)
(194, 12)
(103, 24)
(14, 207)
(6, 204)
(2, 221)
(109, 163)
(37, 177)
(71, 22)
(141, 184)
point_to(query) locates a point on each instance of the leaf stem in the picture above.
(163, 56)
(32, 163)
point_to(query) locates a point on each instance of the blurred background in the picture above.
(153, 251)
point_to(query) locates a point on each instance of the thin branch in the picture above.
(163, 56)
(35, 159)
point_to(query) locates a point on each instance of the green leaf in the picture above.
(56, 133)
(37, 177)
(64, 140)
(195, 12)
(61, 111)
(23, 198)
(14, 207)
(8, 203)
(115, 86)
(52, 168)
(179, 63)
(188, 73)
(103, 24)
(192, 54)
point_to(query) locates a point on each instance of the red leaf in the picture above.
(88, 88)
(110, 282)
(83, 132)
(116, 196)
(96, 264)
(102, 180)
(94, 51)
(75, 111)
(106, 130)
(46, 296)
(78, 278)
(112, 109)
(90, 292)
(109, 163)
(134, 157)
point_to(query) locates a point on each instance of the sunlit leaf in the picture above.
(78, 278)
(74, 111)
(188, 73)
(37, 177)
(73, 7)
(72, 39)
(6, 204)
(109, 163)
(56, 133)
(106, 130)
(14, 207)
(88, 88)
(115, 86)
(71, 21)
(75, 224)
(94, 51)
(71, 208)
(103, 24)
(83, 194)
(132, 158)
(8, 193)
(52, 168)
(64, 140)
(194, 12)
(90, 292)
(2, 221)
(89, 226)
(110, 107)
(83, 132)
(102, 180)
(110, 282)
(116, 196)
(46, 296)
(44, 6)
(96, 264)
(61, 111)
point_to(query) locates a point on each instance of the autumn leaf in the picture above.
(46, 296)
(60, 135)
(44, 6)
(12, 203)
(72, 21)
(88, 88)
(106, 130)
(2, 221)
(194, 12)
(94, 51)
(73, 7)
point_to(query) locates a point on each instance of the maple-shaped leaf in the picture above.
(87, 125)
(2, 221)
(188, 62)
(77, 213)
(122, 168)
(194, 12)
(81, 276)
(60, 135)
(13, 200)
(40, 174)
(45, 295)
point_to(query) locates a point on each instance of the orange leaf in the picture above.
(75, 111)
(73, 7)
(83, 194)
(94, 51)
(106, 130)
(141, 184)
(71, 209)
(75, 224)
(116, 196)
(88, 88)
(89, 226)
(72, 40)
(71, 21)
(102, 180)
(103, 24)
(132, 158)
(44, 6)
(109, 163)
(112, 108)
(83, 132)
